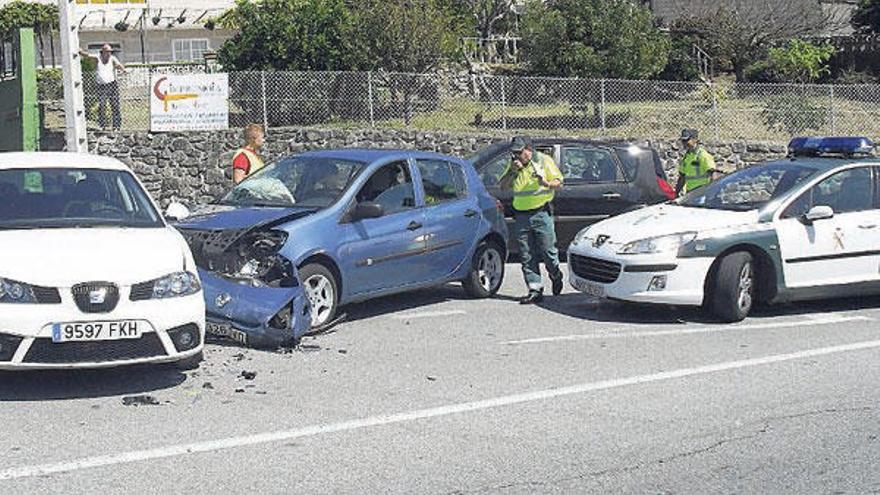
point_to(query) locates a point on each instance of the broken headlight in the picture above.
(16, 292)
(250, 257)
(174, 285)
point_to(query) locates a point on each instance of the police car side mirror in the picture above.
(176, 212)
(820, 212)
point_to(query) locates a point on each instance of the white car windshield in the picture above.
(750, 188)
(35, 198)
(314, 182)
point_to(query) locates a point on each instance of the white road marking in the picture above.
(605, 334)
(433, 412)
(428, 314)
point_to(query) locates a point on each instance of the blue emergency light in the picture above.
(842, 145)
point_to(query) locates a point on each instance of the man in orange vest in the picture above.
(246, 161)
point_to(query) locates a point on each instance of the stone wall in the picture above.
(196, 166)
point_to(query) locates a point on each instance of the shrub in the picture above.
(793, 113)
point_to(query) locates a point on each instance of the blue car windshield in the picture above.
(750, 188)
(38, 198)
(310, 181)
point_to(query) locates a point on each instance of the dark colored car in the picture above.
(602, 179)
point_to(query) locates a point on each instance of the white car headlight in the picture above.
(16, 292)
(176, 285)
(581, 236)
(657, 245)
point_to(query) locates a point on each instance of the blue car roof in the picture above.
(371, 155)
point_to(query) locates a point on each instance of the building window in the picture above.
(189, 50)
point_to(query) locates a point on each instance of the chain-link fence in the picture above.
(472, 103)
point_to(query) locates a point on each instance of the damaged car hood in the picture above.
(220, 217)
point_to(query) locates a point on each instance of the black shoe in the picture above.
(557, 285)
(534, 296)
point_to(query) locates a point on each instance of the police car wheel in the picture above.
(487, 271)
(733, 293)
(190, 363)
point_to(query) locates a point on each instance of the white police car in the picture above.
(804, 227)
(90, 274)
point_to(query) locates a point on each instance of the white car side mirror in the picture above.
(176, 211)
(820, 212)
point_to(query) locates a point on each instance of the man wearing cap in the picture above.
(534, 177)
(108, 89)
(696, 166)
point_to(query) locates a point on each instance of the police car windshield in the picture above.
(749, 189)
(315, 182)
(45, 198)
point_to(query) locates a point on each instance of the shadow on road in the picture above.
(408, 301)
(84, 384)
(580, 306)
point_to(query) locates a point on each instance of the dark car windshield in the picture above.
(750, 188)
(34, 198)
(309, 181)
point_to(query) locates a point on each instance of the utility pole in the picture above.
(74, 108)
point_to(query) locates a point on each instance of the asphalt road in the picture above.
(434, 393)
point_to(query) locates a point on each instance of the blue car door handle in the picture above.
(414, 226)
(470, 213)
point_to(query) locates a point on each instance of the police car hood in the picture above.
(666, 219)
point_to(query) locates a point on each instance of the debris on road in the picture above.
(248, 375)
(140, 400)
(431, 378)
(208, 386)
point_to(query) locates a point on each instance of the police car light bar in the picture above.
(813, 146)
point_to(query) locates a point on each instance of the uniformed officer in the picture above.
(534, 177)
(696, 166)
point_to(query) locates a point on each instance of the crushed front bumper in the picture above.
(259, 316)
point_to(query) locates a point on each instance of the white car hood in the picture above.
(666, 219)
(65, 257)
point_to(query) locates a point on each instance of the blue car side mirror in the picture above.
(367, 210)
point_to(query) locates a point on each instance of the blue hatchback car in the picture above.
(312, 232)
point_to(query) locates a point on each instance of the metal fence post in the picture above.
(831, 110)
(602, 104)
(370, 97)
(503, 105)
(715, 119)
(265, 104)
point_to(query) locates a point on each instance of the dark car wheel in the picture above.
(322, 290)
(190, 363)
(733, 290)
(487, 271)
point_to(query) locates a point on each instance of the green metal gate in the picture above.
(19, 113)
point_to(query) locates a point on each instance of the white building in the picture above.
(145, 30)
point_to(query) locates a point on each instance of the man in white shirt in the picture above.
(108, 89)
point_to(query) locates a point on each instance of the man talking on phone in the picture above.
(534, 178)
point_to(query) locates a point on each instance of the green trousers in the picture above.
(536, 237)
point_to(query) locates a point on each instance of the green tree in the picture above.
(288, 35)
(801, 61)
(866, 18)
(737, 34)
(18, 14)
(404, 38)
(405, 35)
(592, 38)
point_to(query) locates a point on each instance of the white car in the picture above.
(90, 274)
(804, 227)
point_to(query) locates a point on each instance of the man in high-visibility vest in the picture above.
(696, 166)
(534, 177)
(246, 161)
